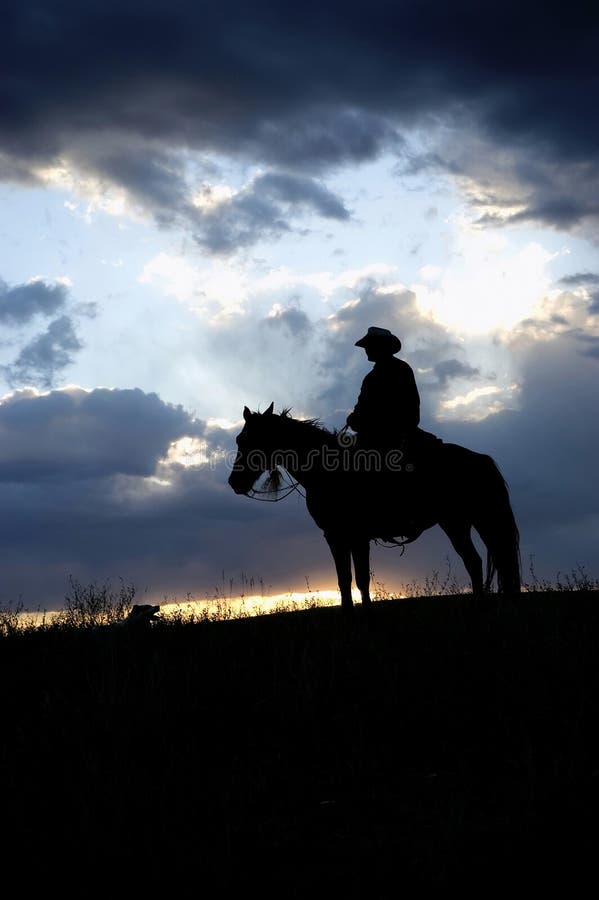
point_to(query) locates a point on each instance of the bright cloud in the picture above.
(90, 190)
(218, 288)
(480, 402)
(491, 283)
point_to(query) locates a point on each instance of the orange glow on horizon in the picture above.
(253, 604)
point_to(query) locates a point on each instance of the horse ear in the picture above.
(246, 414)
(268, 412)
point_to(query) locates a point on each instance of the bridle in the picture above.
(292, 486)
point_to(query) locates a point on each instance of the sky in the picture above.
(204, 206)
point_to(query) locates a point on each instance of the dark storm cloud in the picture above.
(301, 192)
(589, 281)
(318, 87)
(325, 137)
(22, 302)
(42, 361)
(293, 319)
(453, 368)
(580, 279)
(512, 183)
(261, 210)
(44, 357)
(17, 170)
(151, 176)
(157, 182)
(73, 434)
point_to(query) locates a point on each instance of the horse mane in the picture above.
(307, 423)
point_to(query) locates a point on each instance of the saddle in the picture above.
(421, 450)
(415, 451)
(413, 483)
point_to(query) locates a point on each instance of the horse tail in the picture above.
(496, 524)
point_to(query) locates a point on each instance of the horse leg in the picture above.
(340, 549)
(360, 552)
(459, 533)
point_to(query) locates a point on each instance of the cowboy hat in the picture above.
(381, 336)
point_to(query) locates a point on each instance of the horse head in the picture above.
(254, 450)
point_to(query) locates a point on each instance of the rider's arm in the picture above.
(412, 399)
(360, 412)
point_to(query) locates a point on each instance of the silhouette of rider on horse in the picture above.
(386, 417)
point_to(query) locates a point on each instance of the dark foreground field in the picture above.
(436, 745)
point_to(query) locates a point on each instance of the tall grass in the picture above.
(97, 604)
(578, 579)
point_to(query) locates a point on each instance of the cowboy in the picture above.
(386, 419)
(388, 407)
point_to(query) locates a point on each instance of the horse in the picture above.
(353, 501)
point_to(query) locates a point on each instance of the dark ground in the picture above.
(439, 744)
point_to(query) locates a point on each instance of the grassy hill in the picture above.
(436, 743)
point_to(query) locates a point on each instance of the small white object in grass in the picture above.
(141, 614)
